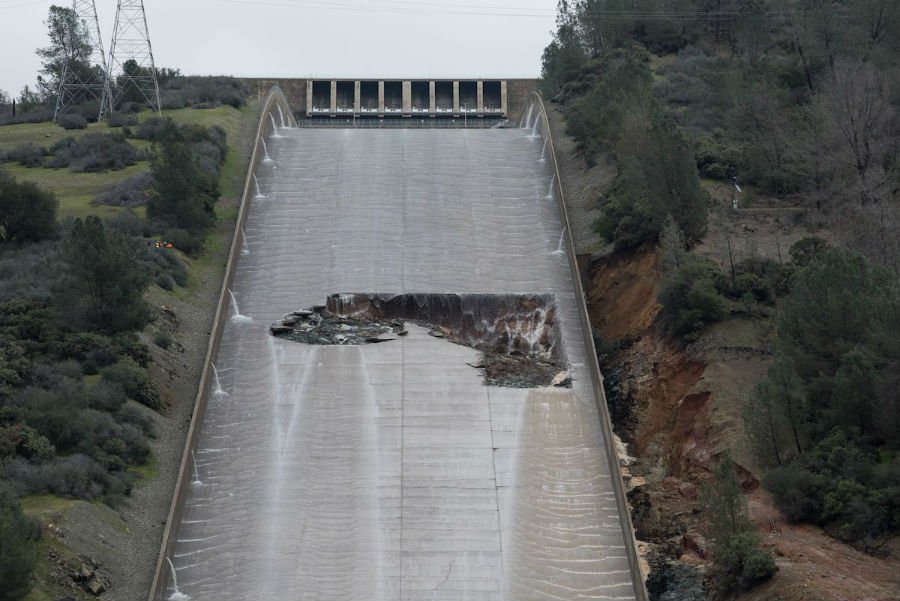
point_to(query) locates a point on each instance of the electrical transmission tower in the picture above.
(132, 72)
(83, 75)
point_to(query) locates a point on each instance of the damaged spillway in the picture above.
(391, 471)
(517, 334)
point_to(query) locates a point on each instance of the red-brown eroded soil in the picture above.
(686, 409)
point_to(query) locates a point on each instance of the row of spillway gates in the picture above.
(407, 98)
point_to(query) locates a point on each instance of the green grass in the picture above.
(76, 190)
(42, 134)
(147, 471)
(40, 506)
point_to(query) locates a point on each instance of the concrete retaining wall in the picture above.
(274, 99)
(640, 591)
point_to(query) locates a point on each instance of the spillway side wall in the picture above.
(273, 101)
(640, 591)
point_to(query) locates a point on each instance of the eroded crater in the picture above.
(518, 334)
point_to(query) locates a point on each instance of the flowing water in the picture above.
(390, 472)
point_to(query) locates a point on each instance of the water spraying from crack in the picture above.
(259, 195)
(237, 316)
(266, 157)
(274, 133)
(177, 595)
(196, 481)
(217, 391)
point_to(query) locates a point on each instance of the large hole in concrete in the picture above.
(518, 334)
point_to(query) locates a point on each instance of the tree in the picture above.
(689, 297)
(27, 213)
(777, 416)
(737, 557)
(673, 244)
(863, 119)
(671, 174)
(807, 250)
(836, 304)
(106, 280)
(181, 195)
(70, 47)
(18, 549)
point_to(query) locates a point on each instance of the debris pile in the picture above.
(318, 326)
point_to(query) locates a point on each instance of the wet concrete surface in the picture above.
(390, 471)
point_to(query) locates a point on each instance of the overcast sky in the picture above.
(301, 38)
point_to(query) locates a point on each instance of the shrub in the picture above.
(93, 152)
(133, 415)
(121, 119)
(132, 192)
(135, 381)
(27, 213)
(106, 396)
(689, 297)
(165, 281)
(27, 155)
(185, 241)
(18, 548)
(76, 476)
(162, 340)
(72, 121)
(150, 129)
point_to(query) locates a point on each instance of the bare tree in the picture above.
(863, 120)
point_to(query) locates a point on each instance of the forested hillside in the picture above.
(777, 106)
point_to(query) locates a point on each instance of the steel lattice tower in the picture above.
(76, 85)
(131, 65)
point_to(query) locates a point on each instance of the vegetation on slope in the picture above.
(81, 213)
(796, 103)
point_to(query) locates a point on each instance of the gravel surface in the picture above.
(189, 322)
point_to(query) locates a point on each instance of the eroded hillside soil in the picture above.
(677, 408)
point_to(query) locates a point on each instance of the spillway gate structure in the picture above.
(392, 471)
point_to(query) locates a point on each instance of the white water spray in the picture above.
(259, 195)
(560, 248)
(544, 151)
(281, 115)
(245, 250)
(196, 481)
(274, 133)
(266, 157)
(177, 595)
(217, 392)
(528, 116)
(550, 189)
(237, 312)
